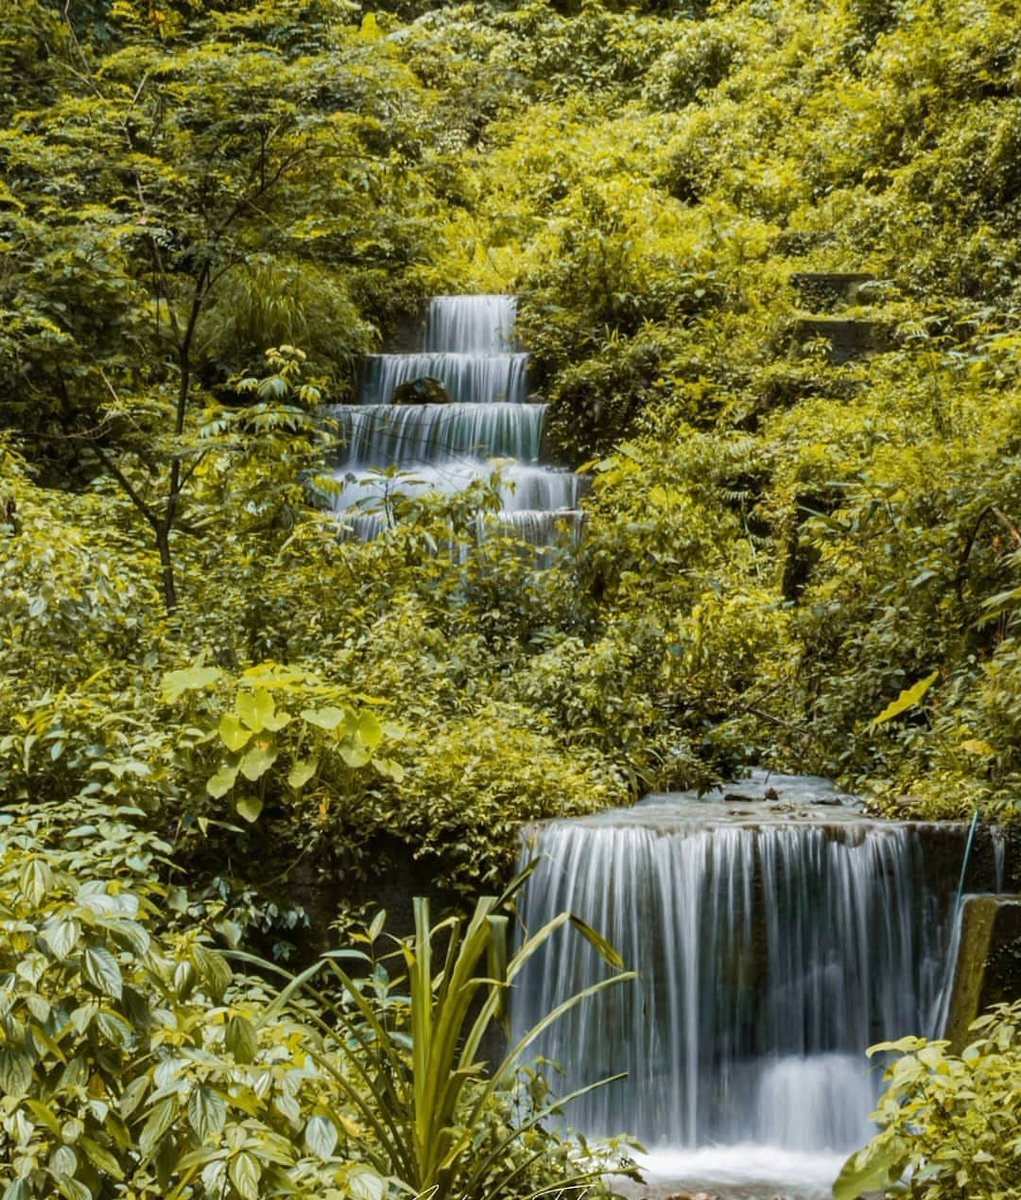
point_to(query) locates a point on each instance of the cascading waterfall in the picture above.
(773, 949)
(488, 429)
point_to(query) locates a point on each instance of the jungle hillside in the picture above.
(767, 255)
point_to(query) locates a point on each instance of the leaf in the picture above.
(321, 1137)
(36, 880)
(160, 1120)
(241, 1039)
(258, 761)
(907, 699)
(176, 683)
(388, 768)
(870, 1169)
(132, 1095)
(301, 773)
(255, 708)
(232, 733)
(244, 1172)
(355, 756)
(207, 1113)
(249, 807)
(15, 1072)
(370, 731)
(73, 1189)
(598, 943)
(363, 1183)
(101, 1158)
(977, 746)
(61, 937)
(324, 718)
(220, 784)
(101, 969)
(376, 928)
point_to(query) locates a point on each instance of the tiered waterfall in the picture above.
(488, 425)
(774, 946)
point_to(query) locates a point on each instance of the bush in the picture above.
(950, 1124)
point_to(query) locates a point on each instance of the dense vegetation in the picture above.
(209, 211)
(777, 545)
(948, 1121)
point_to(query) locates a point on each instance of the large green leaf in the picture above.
(207, 1113)
(249, 807)
(241, 1039)
(907, 699)
(321, 1137)
(102, 970)
(162, 1117)
(258, 761)
(233, 734)
(176, 683)
(219, 785)
(245, 1173)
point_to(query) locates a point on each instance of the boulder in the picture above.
(420, 391)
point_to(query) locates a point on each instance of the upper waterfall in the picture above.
(471, 324)
(486, 430)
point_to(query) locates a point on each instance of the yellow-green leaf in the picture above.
(907, 699)
(176, 683)
(232, 733)
(249, 807)
(258, 761)
(220, 784)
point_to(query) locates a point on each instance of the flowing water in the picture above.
(775, 938)
(487, 431)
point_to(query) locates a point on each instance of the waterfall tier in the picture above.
(520, 487)
(772, 953)
(469, 378)
(379, 435)
(471, 324)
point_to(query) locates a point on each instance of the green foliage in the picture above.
(137, 1062)
(419, 1081)
(949, 1123)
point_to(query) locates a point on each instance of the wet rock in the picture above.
(425, 390)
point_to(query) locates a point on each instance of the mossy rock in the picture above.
(421, 391)
(988, 966)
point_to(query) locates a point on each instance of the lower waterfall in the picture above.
(774, 945)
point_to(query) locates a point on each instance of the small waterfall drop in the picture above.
(487, 429)
(774, 946)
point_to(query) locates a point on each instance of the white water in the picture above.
(774, 946)
(488, 431)
(470, 378)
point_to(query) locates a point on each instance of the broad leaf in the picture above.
(102, 970)
(220, 784)
(245, 1172)
(240, 1039)
(176, 683)
(907, 699)
(258, 761)
(233, 734)
(249, 807)
(321, 1137)
(207, 1113)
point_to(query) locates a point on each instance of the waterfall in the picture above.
(488, 430)
(774, 945)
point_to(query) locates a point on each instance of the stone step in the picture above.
(823, 290)
(848, 339)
